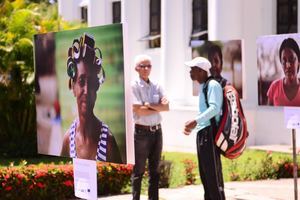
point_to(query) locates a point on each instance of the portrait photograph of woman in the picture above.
(278, 67)
(90, 79)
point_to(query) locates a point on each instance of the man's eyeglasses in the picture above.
(144, 66)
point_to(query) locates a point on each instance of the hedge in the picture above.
(50, 181)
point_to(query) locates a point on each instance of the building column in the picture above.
(225, 19)
(133, 17)
(173, 48)
(97, 11)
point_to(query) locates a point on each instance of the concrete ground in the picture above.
(282, 189)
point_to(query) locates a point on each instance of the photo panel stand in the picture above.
(292, 121)
(295, 166)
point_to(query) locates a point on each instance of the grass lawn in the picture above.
(178, 170)
(249, 165)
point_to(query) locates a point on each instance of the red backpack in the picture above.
(232, 131)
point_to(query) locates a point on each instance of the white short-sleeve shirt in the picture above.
(146, 92)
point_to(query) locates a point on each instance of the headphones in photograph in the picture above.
(84, 49)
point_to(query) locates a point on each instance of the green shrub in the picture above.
(165, 170)
(267, 169)
(165, 167)
(252, 165)
(248, 169)
(233, 175)
(113, 178)
(177, 176)
(190, 174)
(285, 168)
(265, 166)
(51, 181)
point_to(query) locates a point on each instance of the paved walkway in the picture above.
(277, 148)
(282, 189)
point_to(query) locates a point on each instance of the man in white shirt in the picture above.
(148, 101)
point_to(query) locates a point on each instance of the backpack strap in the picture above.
(205, 87)
(213, 121)
(222, 81)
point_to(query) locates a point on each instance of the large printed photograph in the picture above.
(278, 68)
(80, 94)
(226, 60)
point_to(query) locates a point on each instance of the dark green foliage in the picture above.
(17, 118)
(19, 21)
(165, 167)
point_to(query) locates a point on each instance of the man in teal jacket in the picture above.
(210, 166)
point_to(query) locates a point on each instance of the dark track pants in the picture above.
(210, 166)
(148, 145)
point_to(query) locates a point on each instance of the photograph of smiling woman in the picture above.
(88, 137)
(80, 94)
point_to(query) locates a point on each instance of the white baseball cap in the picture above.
(200, 62)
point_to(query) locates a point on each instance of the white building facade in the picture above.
(227, 20)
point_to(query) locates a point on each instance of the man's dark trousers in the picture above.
(210, 166)
(148, 145)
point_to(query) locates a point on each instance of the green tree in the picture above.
(20, 20)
